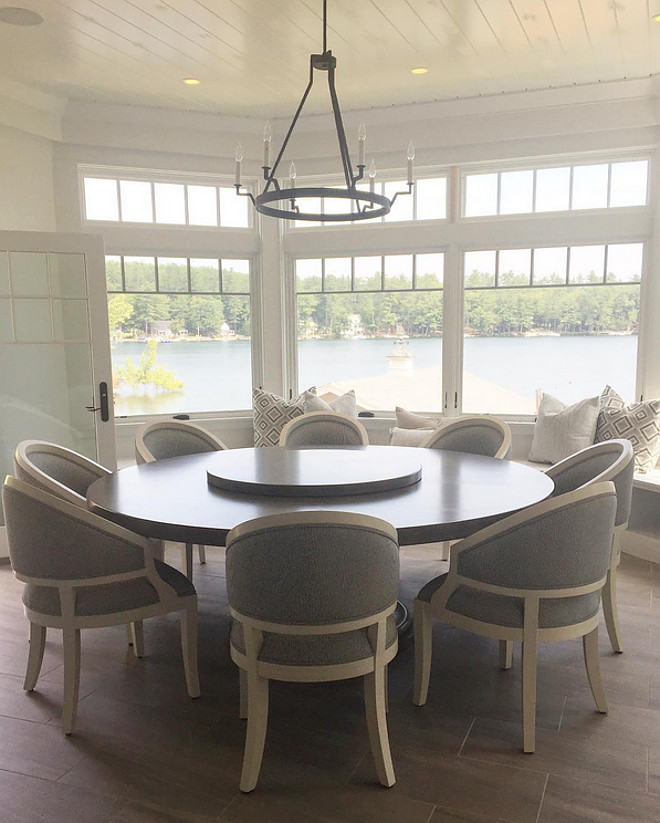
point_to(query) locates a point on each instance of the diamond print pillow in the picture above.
(639, 423)
(272, 413)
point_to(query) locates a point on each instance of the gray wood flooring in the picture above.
(145, 753)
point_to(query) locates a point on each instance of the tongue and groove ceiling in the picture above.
(252, 56)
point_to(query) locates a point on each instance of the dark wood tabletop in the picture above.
(457, 494)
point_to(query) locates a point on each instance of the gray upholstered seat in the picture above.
(487, 436)
(610, 460)
(175, 438)
(81, 571)
(108, 598)
(323, 429)
(534, 576)
(510, 611)
(313, 596)
(311, 650)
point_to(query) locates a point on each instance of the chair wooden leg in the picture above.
(257, 689)
(611, 611)
(36, 656)
(374, 701)
(529, 660)
(592, 663)
(189, 648)
(506, 654)
(137, 637)
(423, 626)
(71, 648)
(202, 553)
(189, 560)
(243, 695)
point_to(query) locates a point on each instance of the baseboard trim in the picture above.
(641, 545)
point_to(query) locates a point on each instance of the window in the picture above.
(561, 320)
(162, 203)
(428, 201)
(180, 331)
(373, 324)
(564, 188)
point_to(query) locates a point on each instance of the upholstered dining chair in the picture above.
(478, 434)
(80, 572)
(610, 460)
(67, 474)
(324, 429)
(175, 438)
(533, 577)
(312, 595)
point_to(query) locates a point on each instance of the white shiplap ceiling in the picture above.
(252, 56)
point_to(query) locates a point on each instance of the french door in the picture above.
(55, 370)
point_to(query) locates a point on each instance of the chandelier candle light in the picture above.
(277, 201)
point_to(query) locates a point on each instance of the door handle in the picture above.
(103, 399)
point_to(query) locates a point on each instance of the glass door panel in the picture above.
(54, 346)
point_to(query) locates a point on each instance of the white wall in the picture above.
(27, 200)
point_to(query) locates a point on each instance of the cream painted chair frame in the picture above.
(143, 455)
(72, 624)
(255, 674)
(458, 423)
(530, 635)
(610, 607)
(23, 465)
(325, 417)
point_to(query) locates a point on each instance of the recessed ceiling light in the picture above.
(419, 70)
(192, 81)
(19, 17)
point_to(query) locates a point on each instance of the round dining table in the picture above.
(428, 495)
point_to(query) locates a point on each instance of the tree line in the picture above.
(588, 309)
(131, 314)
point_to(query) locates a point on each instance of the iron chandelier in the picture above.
(283, 202)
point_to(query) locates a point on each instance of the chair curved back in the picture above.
(480, 434)
(57, 470)
(312, 568)
(561, 543)
(173, 438)
(324, 429)
(51, 539)
(611, 460)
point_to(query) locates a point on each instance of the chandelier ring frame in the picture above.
(375, 205)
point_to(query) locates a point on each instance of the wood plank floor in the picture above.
(145, 753)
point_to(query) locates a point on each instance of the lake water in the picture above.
(217, 374)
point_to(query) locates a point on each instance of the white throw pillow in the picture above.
(408, 437)
(346, 404)
(562, 430)
(272, 413)
(409, 420)
(639, 423)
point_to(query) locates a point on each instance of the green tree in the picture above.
(120, 310)
(147, 373)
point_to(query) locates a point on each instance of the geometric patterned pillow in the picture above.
(639, 423)
(272, 413)
(609, 399)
